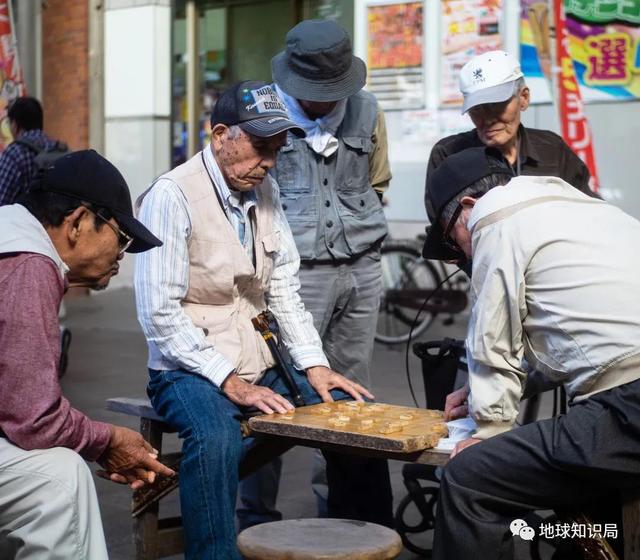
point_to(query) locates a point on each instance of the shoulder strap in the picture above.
(30, 144)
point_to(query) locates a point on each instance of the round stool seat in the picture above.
(319, 539)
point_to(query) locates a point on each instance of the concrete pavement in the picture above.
(107, 359)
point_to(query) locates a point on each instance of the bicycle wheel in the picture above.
(403, 268)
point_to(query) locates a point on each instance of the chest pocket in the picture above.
(270, 245)
(353, 172)
(293, 169)
(207, 287)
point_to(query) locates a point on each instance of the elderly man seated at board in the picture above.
(228, 255)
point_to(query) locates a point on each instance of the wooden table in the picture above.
(272, 433)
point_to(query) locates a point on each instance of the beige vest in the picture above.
(225, 289)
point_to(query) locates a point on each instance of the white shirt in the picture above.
(556, 282)
(161, 283)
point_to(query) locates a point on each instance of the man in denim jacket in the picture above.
(331, 185)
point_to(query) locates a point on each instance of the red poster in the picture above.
(11, 81)
(573, 121)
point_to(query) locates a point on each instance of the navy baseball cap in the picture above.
(256, 108)
(87, 176)
(456, 173)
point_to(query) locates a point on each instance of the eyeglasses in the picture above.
(446, 235)
(124, 240)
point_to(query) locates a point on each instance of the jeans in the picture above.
(209, 425)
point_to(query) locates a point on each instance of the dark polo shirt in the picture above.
(542, 153)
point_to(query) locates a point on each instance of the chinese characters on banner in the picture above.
(469, 28)
(394, 54)
(573, 121)
(11, 82)
(603, 42)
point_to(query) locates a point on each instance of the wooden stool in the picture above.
(313, 539)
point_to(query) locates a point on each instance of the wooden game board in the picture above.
(378, 426)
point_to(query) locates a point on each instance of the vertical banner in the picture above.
(394, 54)
(11, 81)
(573, 122)
(469, 28)
(603, 42)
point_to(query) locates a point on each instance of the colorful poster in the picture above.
(11, 82)
(469, 28)
(573, 121)
(394, 54)
(603, 43)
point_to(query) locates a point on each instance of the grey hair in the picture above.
(520, 84)
(234, 131)
(475, 190)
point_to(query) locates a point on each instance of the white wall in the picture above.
(137, 48)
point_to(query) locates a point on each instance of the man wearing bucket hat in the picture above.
(552, 288)
(495, 94)
(331, 185)
(228, 256)
(70, 229)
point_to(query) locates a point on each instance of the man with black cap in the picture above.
(553, 289)
(228, 255)
(70, 229)
(495, 95)
(331, 186)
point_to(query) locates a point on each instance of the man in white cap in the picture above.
(495, 95)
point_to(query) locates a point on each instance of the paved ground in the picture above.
(107, 359)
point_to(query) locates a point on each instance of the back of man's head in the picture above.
(471, 172)
(26, 113)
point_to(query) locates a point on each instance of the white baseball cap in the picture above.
(489, 78)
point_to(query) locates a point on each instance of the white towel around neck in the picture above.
(320, 132)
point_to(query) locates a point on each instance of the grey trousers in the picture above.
(48, 506)
(566, 462)
(343, 299)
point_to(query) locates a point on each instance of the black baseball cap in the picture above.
(256, 108)
(87, 176)
(456, 173)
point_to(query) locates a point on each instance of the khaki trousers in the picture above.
(48, 506)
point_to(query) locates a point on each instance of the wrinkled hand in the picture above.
(129, 459)
(455, 405)
(245, 394)
(323, 379)
(463, 445)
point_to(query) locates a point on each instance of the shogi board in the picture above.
(379, 426)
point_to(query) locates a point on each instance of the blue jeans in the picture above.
(209, 425)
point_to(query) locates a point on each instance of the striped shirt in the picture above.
(161, 283)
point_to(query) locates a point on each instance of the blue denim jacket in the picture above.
(333, 211)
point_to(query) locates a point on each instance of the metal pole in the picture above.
(28, 38)
(193, 79)
(96, 75)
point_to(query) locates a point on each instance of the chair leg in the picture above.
(145, 531)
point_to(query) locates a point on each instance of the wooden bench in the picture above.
(157, 537)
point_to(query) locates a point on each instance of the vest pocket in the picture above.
(354, 167)
(292, 171)
(210, 272)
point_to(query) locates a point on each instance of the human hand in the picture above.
(455, 405)
(245, 394)
(463, 445)
(129, 459)
(323, 379)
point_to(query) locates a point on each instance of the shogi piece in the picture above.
(311, 539)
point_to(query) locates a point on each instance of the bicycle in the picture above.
(408, 280)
